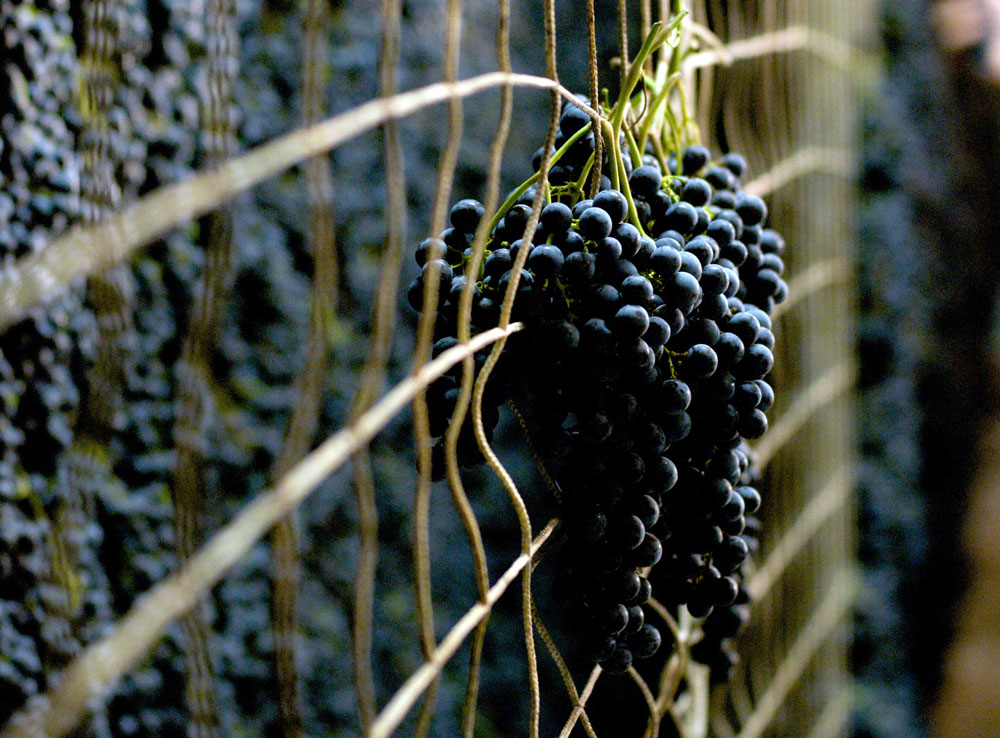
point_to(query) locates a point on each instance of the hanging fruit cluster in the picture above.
(641, 370)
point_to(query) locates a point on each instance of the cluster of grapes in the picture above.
(643, 368)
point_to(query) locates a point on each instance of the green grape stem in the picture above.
(523, 187)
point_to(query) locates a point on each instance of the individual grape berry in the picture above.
(569, 242)
(628, 236)
(657, 333)
(581, 206)
(466, 214)
(701, 362)
(613, 203)
(631, 321)
(645, 592)
(637, 290)
(756, 363)
(658, 203)
(646, 642)
(753, 424)
(647, 510)
(516, 220)
(735, 163)
(751, 499)
(572, 120)
(680, 217)
(771, 242)
(729, 348)
(751, 234)
(747, 396)
(595, 223)
(722, 232)
(644, 181)
(755, 259)
(701, 225)
(714, 280)
(733, 508)
(773, 262)
(676, 427)
(702, 248)
(613, 618)
(697, 192)
(430, 248)
(597, 335)
(766, 394)
(636, 619)
(691, 264)
(683, 291)
(666, 259)
(720, 178)
(751, 209)
(745, 326)
(765, 338)
(623, 586)
(648, 552)
(723, 200)
(663, 471)
(579, 267)
(735, 252)
(675, 396)
(439, 269)
(556, 217)
(731, 553)
(644, 253)
(725, 590)
(545, 261)
(497, 263)
(694, 158)
(619, 662)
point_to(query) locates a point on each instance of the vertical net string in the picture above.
(446, 175)
(194, 403)
(309, 384)
(373, 373)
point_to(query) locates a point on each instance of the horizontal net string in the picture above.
(834, 718)
(824, 504)
(41, 277)
(102, 663)
(839, 162)
(825, 389)
(831, 611)
(794, 38)
(817, 277)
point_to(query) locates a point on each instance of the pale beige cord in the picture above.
(425, 330)
(44, 275)
(564, 672)
(578, 707)
(373, 374)
(472, 268)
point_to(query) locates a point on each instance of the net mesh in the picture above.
(773, 80)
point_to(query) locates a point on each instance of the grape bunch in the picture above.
(641, 372)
